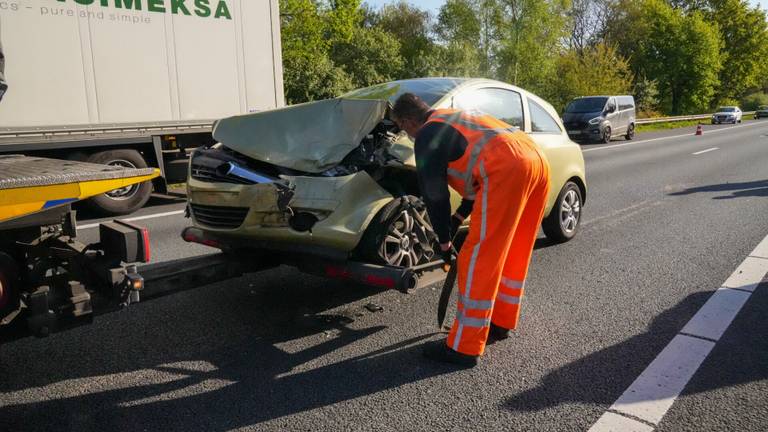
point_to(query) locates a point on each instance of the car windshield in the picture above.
(763, 107)
(429, 90)
(726, 109)
(585, 105)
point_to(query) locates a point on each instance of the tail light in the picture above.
(125, 241)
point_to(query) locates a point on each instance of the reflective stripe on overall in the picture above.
(508, 177)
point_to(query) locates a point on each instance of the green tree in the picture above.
(342, 18)
(372, 56)
(531, 32)
(678, 50)
(744, 32)
(313, 77)
(683, 54)
(469, 30)
(753, 101)
(596, 70)
(308, 72)
(411, 27)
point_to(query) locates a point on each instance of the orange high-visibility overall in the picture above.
(507, 176)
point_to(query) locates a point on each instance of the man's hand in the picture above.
(448, 253)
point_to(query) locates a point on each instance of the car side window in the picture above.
(611, 103)
(505, 105)
(541, 121)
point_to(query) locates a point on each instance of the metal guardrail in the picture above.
(679, 118)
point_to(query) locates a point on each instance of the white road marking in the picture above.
(613, 422)
(717, 314)
(706, 151)
(655, 390)
(669, 137)
(137, 218)
(652, 394)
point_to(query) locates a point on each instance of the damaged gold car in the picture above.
(335, 178)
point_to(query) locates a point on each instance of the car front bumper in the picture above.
(589, 133)
(250, 216)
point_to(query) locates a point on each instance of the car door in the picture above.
(617, 128)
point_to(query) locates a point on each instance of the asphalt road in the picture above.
(667, 220)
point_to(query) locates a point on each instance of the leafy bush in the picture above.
(751, 102)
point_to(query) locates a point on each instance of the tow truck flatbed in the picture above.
(33, 184)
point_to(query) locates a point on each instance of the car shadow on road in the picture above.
(601, 377)
(258, 376)
(758, 188)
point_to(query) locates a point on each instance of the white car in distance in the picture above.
(727, 114)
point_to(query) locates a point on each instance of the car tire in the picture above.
(9, 286)
(564, 219)
(630, 132)
(606, 138)
(378, 244)
(126, 200)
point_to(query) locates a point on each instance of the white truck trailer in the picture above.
(133, 83)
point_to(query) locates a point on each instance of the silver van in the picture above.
(600, 118)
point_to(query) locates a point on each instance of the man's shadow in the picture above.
(758, 188)
(257, 377)
(601, 377)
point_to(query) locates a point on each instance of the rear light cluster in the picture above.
(125, 241)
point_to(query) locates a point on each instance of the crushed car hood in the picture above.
(310, 137)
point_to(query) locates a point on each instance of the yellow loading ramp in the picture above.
(32, 184)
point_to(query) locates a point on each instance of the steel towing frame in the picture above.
(180, 275)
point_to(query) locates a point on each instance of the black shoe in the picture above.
(439, 351)
(496, 334)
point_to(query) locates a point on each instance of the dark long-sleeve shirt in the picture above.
(436, 145)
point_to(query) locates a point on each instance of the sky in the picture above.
(434, 5)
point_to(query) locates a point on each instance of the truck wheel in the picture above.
(564, 218)
(9, 286)
(124, 200)
(395, 237)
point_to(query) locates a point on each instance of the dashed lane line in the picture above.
(670, 137)
(642, 406)
(137, 218)
(706, 151)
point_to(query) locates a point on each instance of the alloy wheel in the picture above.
(402, 246)
(570, 211)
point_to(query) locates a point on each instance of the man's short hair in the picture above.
(410, 107)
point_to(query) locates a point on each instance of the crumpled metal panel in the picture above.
(310, 137)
